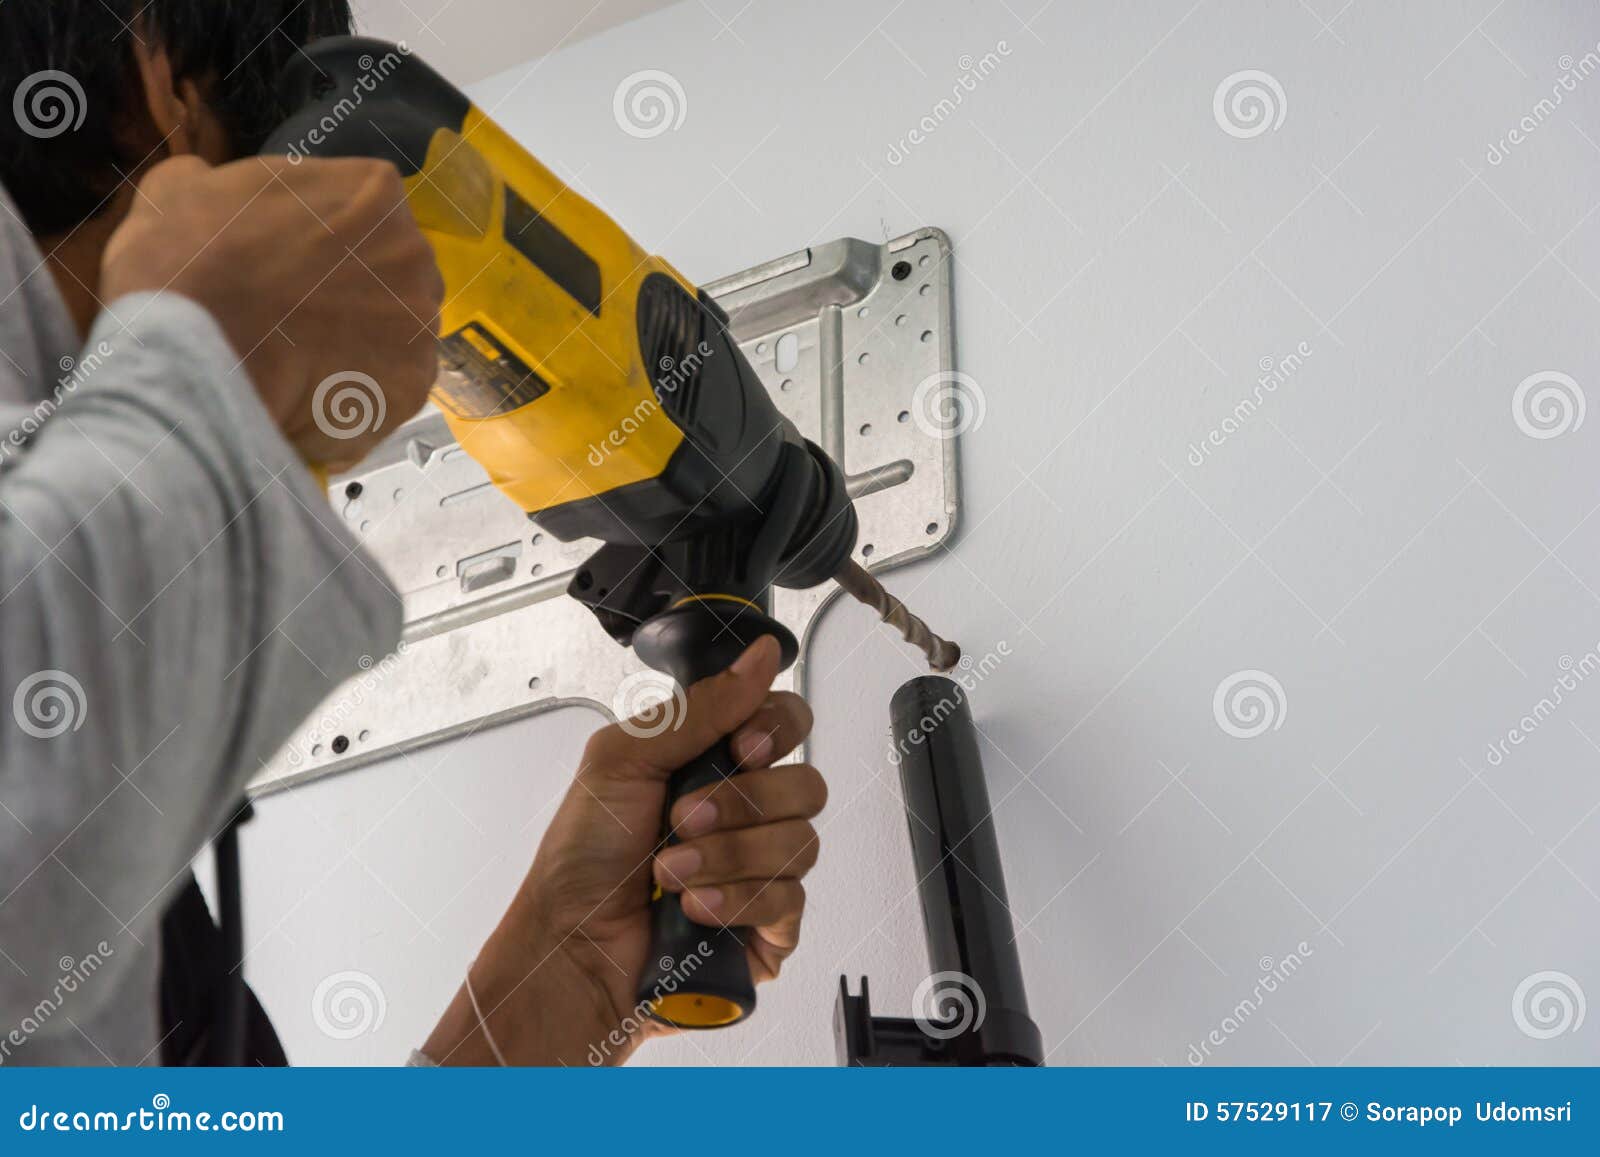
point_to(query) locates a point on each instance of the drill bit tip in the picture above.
(942, 654)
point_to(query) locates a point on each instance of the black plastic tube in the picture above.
(970, 934)
(229, 1043)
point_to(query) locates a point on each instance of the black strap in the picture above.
(209, 1016)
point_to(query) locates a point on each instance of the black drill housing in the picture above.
(743, 504)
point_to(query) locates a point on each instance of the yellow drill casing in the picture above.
(547, 389)
(598, 388)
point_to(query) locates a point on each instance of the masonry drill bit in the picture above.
(942, 654)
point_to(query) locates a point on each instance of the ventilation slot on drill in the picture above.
(669, 342)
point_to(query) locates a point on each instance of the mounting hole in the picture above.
(761, 348)
(786, 385)
(863, 359)
(866, 551)
(354, 491)
(866, 428)
(366, 526)
(901, 270)
(925, 290)
(363, 737)
(533, 684)
(786, 355)
(316, 749)
(927, 335)
(901, 320)
(536, 540)
(863, 311)
(537, 570)
(399, 495)
(903, 417)
(925, 261)
(933, 528)
(341, 744)
(441, 572)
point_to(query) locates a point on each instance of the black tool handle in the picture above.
(698, 976)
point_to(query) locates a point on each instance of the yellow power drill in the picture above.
(605, 396)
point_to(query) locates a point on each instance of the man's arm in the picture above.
(175, 596)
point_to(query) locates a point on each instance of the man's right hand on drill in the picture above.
(313, 270)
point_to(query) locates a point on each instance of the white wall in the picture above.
(1380, 536)
(468, 40)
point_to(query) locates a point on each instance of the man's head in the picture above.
(148, 78)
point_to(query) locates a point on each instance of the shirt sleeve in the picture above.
(176, 595)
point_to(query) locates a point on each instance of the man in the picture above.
(175, 594)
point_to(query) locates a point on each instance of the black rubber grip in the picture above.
(698, 976)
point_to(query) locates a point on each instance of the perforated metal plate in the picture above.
(856, 343)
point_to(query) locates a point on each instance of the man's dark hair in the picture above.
(234, 50)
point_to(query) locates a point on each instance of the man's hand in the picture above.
(557, 980)
(316, 272)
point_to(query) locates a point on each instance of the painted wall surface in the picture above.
(468, 40)
(1282, 501)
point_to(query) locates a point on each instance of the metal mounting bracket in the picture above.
(857, 344)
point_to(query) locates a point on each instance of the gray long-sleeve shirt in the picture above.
(176, 595)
